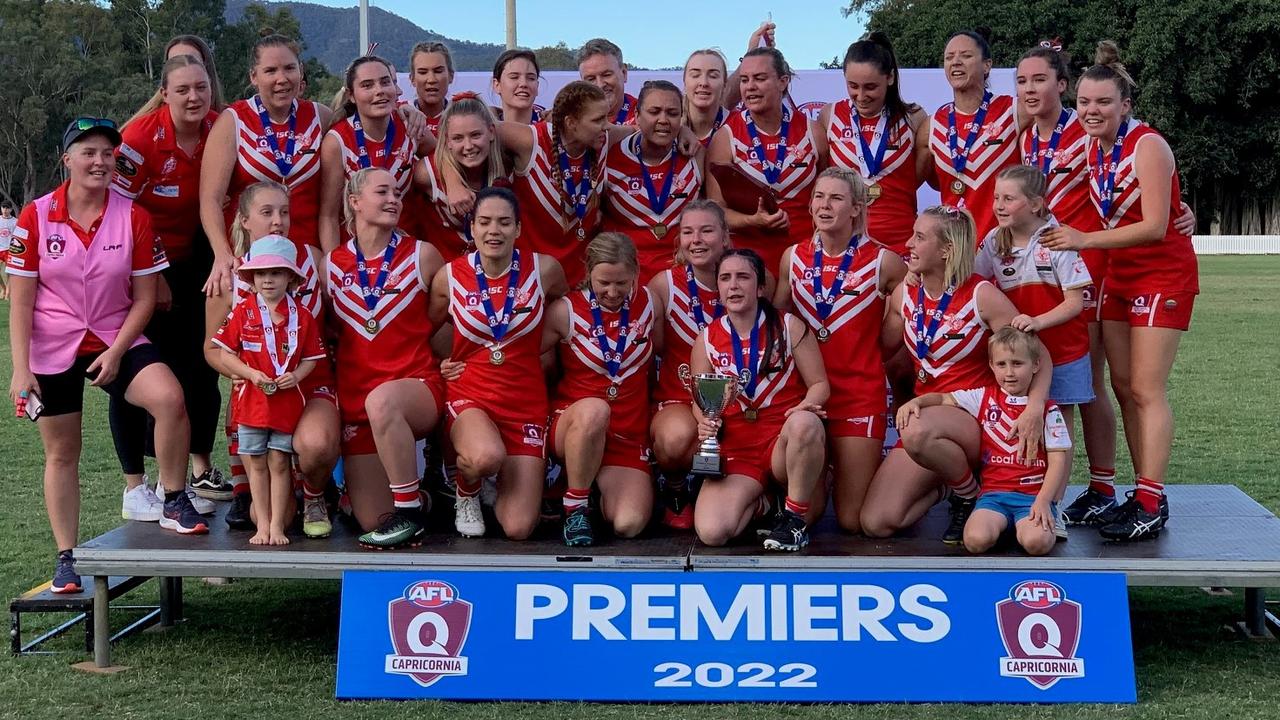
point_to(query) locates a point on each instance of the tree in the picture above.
(556, 57)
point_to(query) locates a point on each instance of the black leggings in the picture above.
(178, 335)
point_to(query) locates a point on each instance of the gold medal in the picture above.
(660, 230)
(269, 388)
(372, 325)
(873, 192)
(823, 334)
(497, 357)
(922, 376)
(957, 186)
(750, 414)
(582, 233)
(612, 392)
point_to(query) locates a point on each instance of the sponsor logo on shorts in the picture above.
(533, 435)
(428, 626)
(1040, 629)
(349, 432)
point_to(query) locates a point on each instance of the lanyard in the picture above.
(750, 370)
(1107, 175)
(269, 334)
(372, 295)
(657, 200)
(624, 111)
(924, 339)
(283, 160)
(695, 300)
(612, 356)
(824, 302)
(772, 169)
(577, 195)
(959, 159)
(498, 324)
(388, 143)
(873, 162)
(1046, 164)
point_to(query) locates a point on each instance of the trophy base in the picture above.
(706, 465)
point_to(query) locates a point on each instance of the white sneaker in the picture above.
(468, 519)
(202, 505)
(1060, 525)
(142, 505)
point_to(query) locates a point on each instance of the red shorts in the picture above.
(866, 426)
(520, 437)
(664, 404)
(357, 436)
(746, 448)
(321, 382)
(1162, 310)
(619, 450)
(1091, 311)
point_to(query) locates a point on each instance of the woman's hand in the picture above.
(762, 35)
(1041, 514)
(107, 365)
(461, 200)
(909, 411)
(415, 121)
(1025, 323)
(1063, 237)
(807, 406)
(707, 428)
(221, 276)
(259, 378)
(286, 381)
(22, 386)
(1028, 430)
(687, 143)
(1185, 223)
(451, 369)
(769, 221)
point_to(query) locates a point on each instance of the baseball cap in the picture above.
(82, 127)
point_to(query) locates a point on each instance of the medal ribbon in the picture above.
(1107, 175)
(1046, 164)
(372, 295)
(578, 195)
(925, 339)
(874, 162)
(824, 302)
(388, 143)
(753, 374)
(498, 324)
(772, 169)
(721, 115)
(657, 201)
(269, 334)
(612, 356)
(623, 111)
(283, 160)
(695, 300)
(960, 159)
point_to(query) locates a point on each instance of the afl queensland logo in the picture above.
(1040, 629)
(429, 626)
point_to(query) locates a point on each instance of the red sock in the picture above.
(406, 495)
(466, 488)
(310, 494)
(965, 487)
(1102, 480)
(575, 498)
(797, 507)
(1149, 492)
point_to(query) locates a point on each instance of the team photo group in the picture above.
(697, 305)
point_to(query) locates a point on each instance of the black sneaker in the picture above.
(65, 579)
(961, 509)
(181, 517)
(400, 528)
(789, 533)
(238, 516)
(1088, 508)
(211, 485)
(1136, 524)
(577, 528)
(1121, 511)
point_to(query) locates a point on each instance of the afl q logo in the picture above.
(811, 109)
(428, 627)
(1040, 629)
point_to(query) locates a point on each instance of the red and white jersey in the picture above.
(682, 330)
(440, 226)
(549, 223)
(995, 148)
(1034, 277)
(627, 208)
(628, 111)
(851, 352)
(891, 216)
(794, 185)
(780, 386)
(721, 116)
(398, 161)
(996, 412)
(957, 357)
(586, 374)
(1165, 266)
(255, 162)
(432, 119)
(515, 386)
(1068, 192)
(389, 342)
(307, 295)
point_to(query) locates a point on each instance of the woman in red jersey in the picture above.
(197, 48)
(1152, 279)
(688, 294)
(878, 136)
(944, 318)
(648, 182)
(975, 135)
(515, 81)
(264, 210)
(837, 282)
(365, 133)
(771, 142)
(431, 73)
(496, 298)
(607, 334)
(773, 429)
(705, 75)
(273, 136)
(389, 386)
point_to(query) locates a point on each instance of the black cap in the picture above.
(82, 127)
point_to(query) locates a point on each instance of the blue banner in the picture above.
(736, 636)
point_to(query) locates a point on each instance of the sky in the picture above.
(651, 33)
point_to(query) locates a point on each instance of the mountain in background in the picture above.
(332, 34)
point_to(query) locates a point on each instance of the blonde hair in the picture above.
(240, 240)
(206, 59)
(610, 247)
(724, 68)
(857, 193)
(470, 105)
(1016, 341)
(1032, 184)
(958, 232)
(174, 63)
(355, 184)
(707, 206)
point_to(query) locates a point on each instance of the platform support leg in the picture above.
(1255, 612)
(168, 591)
(101, 622)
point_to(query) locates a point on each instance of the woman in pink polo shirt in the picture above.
(83, 264)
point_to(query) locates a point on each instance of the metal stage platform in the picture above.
(1217, 536)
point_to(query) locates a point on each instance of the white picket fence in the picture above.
(1236, 244)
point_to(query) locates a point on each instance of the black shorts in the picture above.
(63, 393)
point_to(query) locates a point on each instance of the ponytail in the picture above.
(1107, 66)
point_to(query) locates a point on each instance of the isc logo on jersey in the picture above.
(428, 626)
(1040, 629)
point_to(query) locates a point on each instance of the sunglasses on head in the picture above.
(88, 123)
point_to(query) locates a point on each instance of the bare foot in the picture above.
(261, 538)
(279, 538)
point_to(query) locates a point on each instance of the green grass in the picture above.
(265, 649)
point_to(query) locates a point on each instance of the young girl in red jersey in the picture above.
(607, 333)
(431, 73)
(688, 294)
(878, 136)
(943, 318)
(268, 404)
(773, 429)
(705, 75)
(1017, 492)
(1152, 279)
(975, 135)
(837, 283)
(648, 182)
(496, 298)
(773, 143)
(389, 386)
(365, 133)
(516, 77)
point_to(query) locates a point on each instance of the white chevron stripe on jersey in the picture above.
(861, 289)
(471, 322)
(846, 152)
(404, 285)
(984, 160)
(794, 179)
(679, 311)
(257, 160)
(635, 358)
(946, 352)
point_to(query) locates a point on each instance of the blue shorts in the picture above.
(256, 441)
(1072, 382)
(1013, 505)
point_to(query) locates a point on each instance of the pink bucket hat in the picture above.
(269, 252)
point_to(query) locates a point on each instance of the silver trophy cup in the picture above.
(712, 392)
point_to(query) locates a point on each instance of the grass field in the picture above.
(267, 649)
